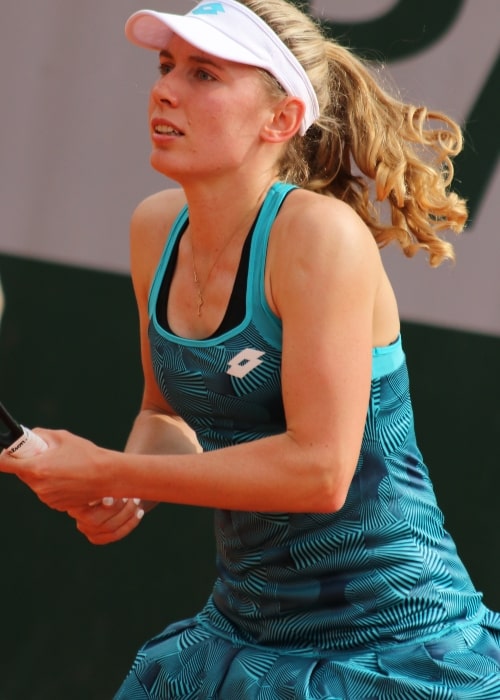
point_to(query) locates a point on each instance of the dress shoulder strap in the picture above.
(262, 315)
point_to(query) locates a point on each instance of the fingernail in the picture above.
(108, 501)
(137, 501)
(139, 513)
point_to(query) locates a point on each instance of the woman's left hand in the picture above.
(108, 520)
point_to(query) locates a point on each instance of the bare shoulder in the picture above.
(150, 225)
(311, 224)
(320, 253)
(159, 209)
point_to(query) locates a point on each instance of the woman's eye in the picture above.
(203, 75)
(164, 68)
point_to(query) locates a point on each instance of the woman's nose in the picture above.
(163, 90)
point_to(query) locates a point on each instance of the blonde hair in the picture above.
(368, 146)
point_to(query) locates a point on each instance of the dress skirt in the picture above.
(190, 660)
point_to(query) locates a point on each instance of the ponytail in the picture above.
(389, 160)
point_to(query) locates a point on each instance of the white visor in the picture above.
(231, 31)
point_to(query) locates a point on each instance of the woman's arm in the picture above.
(153, 432)
(323, 278)
(323, 282)
(156, 429)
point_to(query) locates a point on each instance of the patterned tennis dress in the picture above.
(369, 603)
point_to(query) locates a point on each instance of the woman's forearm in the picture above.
(156, 433)
(159, 434)
(270, 474)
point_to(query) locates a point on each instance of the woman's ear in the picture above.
(285, 121)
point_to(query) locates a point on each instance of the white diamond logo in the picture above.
(244, 362)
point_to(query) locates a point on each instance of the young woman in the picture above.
(276, 388)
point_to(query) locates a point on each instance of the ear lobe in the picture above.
(286, 120)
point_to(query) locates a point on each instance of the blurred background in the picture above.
(74, 164)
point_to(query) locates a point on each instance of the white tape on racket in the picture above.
(28, 445)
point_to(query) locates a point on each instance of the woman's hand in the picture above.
(69, 474)
(108, 520)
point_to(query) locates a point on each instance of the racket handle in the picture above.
(28, 445)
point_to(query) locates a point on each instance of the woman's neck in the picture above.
(217, 214)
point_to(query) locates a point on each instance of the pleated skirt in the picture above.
(190, 660)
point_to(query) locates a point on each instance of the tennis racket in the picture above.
(17, 440)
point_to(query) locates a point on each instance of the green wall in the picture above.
(74, 614)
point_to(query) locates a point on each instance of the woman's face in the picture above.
(205, 113)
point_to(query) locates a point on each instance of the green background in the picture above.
(74, 614)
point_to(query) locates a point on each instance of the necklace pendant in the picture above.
(201, 301)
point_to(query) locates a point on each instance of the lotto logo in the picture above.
(244, 362)
(209, 8)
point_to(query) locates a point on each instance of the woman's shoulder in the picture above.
(160, 208)
(309, 217)
(150, 225)
(153, 218)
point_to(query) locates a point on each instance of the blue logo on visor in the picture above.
(210, 8)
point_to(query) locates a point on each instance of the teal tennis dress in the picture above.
(369, 603)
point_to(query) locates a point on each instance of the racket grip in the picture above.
(28, 445)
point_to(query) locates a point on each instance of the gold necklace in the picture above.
(200, 288)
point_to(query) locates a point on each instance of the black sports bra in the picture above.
(236, 308)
